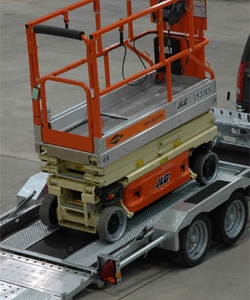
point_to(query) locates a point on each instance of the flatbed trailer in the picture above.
(33, 267)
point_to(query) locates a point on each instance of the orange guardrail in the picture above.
(189, 30)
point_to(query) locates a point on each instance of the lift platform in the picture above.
(107, 118)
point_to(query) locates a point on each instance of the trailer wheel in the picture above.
(112, 224)
(230, 219)
(48, 211)
(206, 167)
(194, 241)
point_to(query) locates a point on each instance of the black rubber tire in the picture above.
(112, 224)
(229, 220)
(194, 241)
(206, 166)
(48, 211)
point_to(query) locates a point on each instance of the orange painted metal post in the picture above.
(130, 24)
(190, 23)
(44, 104)
(97, 10)
(160, 28)
(107, 70)
(169, 82)
(36, 108)
(66, 18)
(96, 110)
(33, 57)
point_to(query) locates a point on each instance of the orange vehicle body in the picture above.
(157, 183)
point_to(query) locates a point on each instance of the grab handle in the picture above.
(59, 31)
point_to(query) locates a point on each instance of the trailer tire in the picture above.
(206, 166)
(48, 211)
(229, 220)
(112, 224)
(194, 241)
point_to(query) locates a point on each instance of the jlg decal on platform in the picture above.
(136, 128)
(162, 180)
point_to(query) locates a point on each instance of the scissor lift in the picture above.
(126, 142)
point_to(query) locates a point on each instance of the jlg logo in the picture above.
(182, 103)
(162, 180)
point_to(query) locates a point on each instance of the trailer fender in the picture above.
(205, 201)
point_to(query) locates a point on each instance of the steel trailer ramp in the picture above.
(26, 278)
(12, 291)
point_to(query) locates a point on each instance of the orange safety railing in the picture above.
(190, 28)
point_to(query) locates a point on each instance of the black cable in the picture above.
(185, 65)
(123, 61)
(141, 60)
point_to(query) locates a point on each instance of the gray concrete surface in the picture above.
(225, 272)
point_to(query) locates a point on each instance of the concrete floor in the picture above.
(225, 272)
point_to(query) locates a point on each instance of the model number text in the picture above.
(202, 93)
